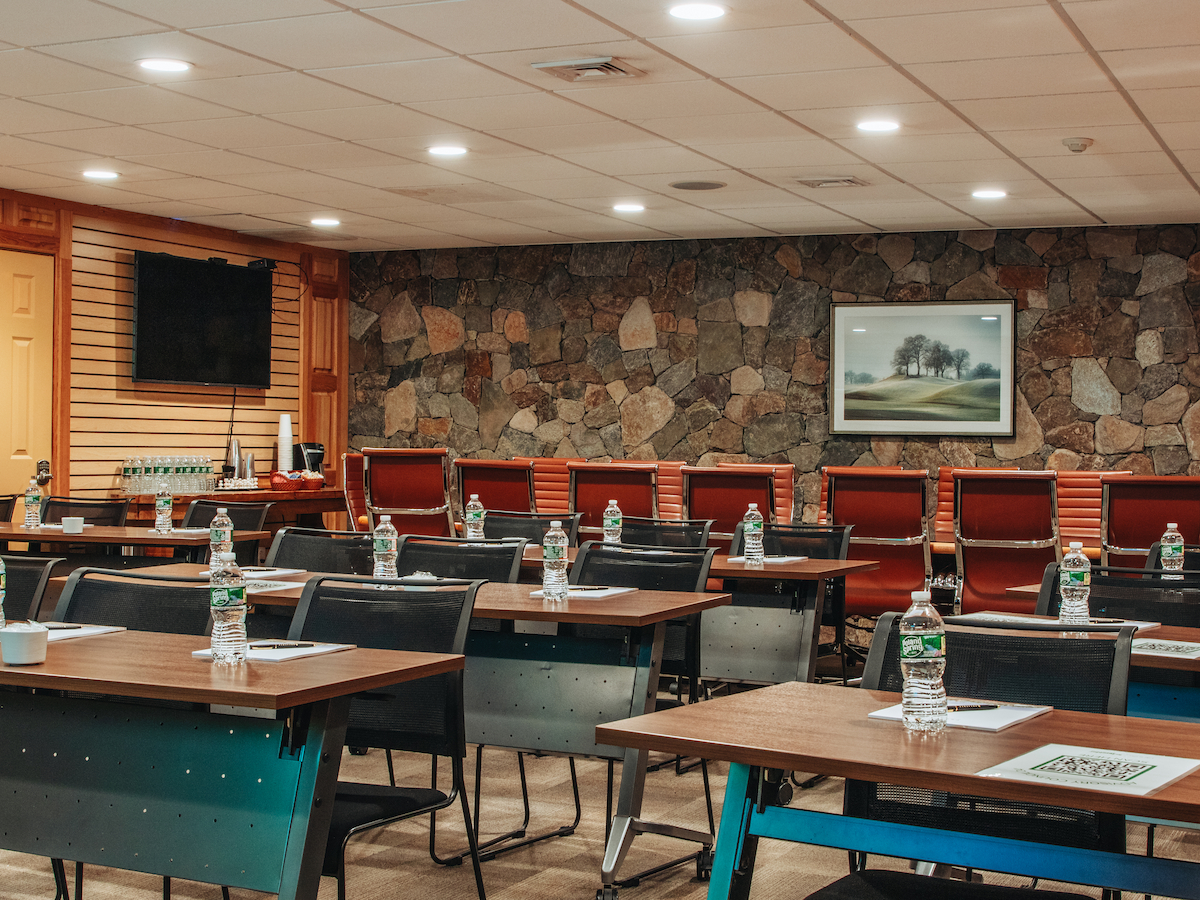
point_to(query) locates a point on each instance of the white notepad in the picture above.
(589, 593)
(1117, 771)
(770, 559)
(261, 586)
(1005, 715)
(261, 651)
(1173, 649)
(60, 631)
(1018, 619)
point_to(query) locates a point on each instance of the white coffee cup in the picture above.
(72, 524)
(23, 643)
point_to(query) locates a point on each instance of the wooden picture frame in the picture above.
(922, 368)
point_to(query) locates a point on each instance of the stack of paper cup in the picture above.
(285, 443)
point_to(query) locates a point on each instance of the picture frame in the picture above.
(922, 368)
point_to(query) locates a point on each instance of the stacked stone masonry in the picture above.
(718, 349)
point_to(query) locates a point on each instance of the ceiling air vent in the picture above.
(599, 68)
(830, 181)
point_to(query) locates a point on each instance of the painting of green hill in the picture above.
(925, 398)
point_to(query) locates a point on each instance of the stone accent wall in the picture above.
(718, 349)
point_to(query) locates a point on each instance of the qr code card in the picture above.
(1095, 768)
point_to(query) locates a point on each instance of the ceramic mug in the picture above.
(72, 524)
(23, 643)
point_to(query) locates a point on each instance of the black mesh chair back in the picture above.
(316, 550)
(94, 512)
(245, 517)
(531, 527)
(1037, 667)
(625, 565)
(1140, 594)
(1191, 557)
(816, 541)
(171, 604)
(422, 716)
(498, 561)
(25, 584)
(665, 532)
(8, 505)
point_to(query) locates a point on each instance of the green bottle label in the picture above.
(922, 646)
(385, 545)
(227, 596)
(612, 521)
(552, 552)
(220, 535)
(1171, 551)
(1074, 578)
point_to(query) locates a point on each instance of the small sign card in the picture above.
(1120, 772)
(278, 651)
(771, 559)
(65, 631)
(589, 593)
(976, 715)
(262, 586)
(1018, 619)
(1176, 649)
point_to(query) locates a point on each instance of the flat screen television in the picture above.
(200, 322)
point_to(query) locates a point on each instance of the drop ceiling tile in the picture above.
(234, 222)
(423, 80)
(1048, 142)
(510, 24)
(841, 87)
(513, 210)
(402, 175)
(727, 200)
(205, 163)
(237, 132)
(894, 148)
(24, 73)
(24, 117)
(264, 204)
(327, 155)
(878, 191)
(417, 212)
(1125, 24)
(732, 178)
(130, 173)
(283, 182)
(282, 92)
(970, 34)
(571, 188)
(1180, 135)
(976, 170)
(362, 200)
(1146, 185)
(363, 122)
(879, 9)
(58, 21)
(22, 179)
(1072, 73)
(1091, 164)
(771, 51)
(1190, 159)
(170, 209)
(1160, 67)
(794, 219)
(651, 19)
(322, 41)
(595, 228)
(781, 153)
(478, 145)
(514, 111)
(1019, 190)
(1162, 105)
(190, 14)
(562, 139)
(788, 177)
(520, 168)
(122, 140)
(641, 162)
(699, 130)
(142, 105)
(1069, 111)
(119, 56)
(914, 118)
(98, 195)
(684, 221)
(638, 101)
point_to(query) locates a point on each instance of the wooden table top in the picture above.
(802, 570)
(825, 729)
(513, 601)
(161, 667)
(127, 535)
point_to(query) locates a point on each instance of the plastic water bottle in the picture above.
(163, 502)
(227, 602)
(473, 515)
(1074, 586)
(220, 537)
(922, 662)
(1170, 548)
(612, 523)
(385, 541)
(3, 592)
(33, 505)
(752, 535)
(554, 563)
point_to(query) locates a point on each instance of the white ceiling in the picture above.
(303, 108)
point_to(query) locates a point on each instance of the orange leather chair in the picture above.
(352, 487)
(1135, 510)
(723, 493)
(887, 509)
(785, 485)
(633, 485)
(1005, 534)
(551, 484)
(502, 484)
(412, 486)
(823, 509)
(670, 489)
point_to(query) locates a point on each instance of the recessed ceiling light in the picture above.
(878, 125)
(100, 174)
(989, 194)
(164, 65)
(447, 150)
(326, 222)
(628, 207)
(697, 11)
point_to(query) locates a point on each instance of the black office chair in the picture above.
(423, 716)
(665, 532)
(529, 526)
(1036, 667)
(142, 602)
(317, 550)
(490, 560)
(245, 517)
(94, 512)
(8, 505)
(25, 584)
(1140, 594)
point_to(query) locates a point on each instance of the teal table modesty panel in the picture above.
(174, 791)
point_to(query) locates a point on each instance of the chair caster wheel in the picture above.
(358, 751)
(704, 864)
(606, 893)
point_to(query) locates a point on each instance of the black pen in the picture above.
(60, 626)
(1105, 621)
(971, 707)
(284, 645)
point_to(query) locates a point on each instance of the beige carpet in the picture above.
(394, 862)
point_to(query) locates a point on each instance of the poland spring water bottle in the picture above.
(613, 520)
(1074, 586)
(385, 539)
(162, 507)
(227, 601)
(1170, 552)
(220, 537)
(33, 505)
(554, 563)
(3, 591)
(922, 662)
(752, 535)
(473, 515)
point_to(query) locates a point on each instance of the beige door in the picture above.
(26, 376)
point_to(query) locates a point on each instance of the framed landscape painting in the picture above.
(922, 368)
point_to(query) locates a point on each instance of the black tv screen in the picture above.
(200, 322)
